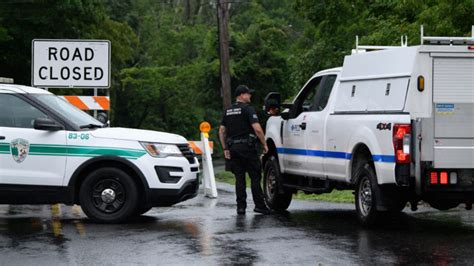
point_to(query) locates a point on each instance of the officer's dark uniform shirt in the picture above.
(238, 120)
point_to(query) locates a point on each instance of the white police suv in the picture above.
(52, 152)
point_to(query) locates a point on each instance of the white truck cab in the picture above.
(395, 125)
(52, 152)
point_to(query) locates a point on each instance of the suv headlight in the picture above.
(161, 150)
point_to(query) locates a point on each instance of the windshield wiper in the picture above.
(91, 126)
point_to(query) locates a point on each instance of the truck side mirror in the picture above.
(285, 115)
(46, 123)
(272, 103)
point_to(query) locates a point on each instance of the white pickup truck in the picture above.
(396, 125)
(52, 152)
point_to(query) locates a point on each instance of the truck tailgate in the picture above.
(453, 97)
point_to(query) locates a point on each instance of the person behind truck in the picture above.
(273, 108)
(239, 134)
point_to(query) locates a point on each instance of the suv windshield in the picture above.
(69, 111)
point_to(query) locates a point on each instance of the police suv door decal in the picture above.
(19, 149)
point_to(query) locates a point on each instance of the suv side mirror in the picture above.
(272, 103)
(103, 118)
(46, 123)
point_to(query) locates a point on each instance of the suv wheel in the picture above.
(108, 195)
(274, 198)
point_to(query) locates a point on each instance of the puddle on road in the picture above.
(19, 222)
(215, 232)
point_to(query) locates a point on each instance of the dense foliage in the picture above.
(165, 58)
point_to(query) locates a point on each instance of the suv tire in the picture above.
(108, 195)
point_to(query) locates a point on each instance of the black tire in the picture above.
(277, 199)
(108, 195)
(365, 195)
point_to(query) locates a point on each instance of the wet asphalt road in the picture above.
(208, 231)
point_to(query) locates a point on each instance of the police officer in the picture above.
(239, 134)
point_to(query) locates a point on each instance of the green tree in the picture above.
(334, 25)
(165, 54)
(28, 20)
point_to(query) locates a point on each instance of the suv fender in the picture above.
(107, 161)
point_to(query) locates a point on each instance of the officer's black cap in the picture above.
(241, 89)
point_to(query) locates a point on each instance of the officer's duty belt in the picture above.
(239, 141)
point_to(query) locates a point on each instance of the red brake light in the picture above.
(401, 142)
(402, 157)
(443, 178)
(470, 47)
(434, 178)
(401, 130)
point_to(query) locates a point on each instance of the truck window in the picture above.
(325, 92)
(15, 112)
(306, 100)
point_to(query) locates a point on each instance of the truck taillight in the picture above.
(401, 142)
(434, 178)
(444, 177)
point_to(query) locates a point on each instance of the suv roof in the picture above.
(12, 88)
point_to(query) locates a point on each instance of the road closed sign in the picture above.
(70, 63)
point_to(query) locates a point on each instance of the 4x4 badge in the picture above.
(19, 149)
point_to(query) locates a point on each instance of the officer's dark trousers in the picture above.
(245, 160)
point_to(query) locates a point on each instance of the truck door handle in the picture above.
(2, 137)
(303, 126)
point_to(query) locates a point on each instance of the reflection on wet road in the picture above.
(208, 231)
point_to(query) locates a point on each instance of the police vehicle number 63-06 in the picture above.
(52, 152)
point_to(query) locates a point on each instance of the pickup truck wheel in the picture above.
(275, 199)
(108, 195)
(365, 195)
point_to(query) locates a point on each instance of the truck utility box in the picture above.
(394, 123)
(453, 108)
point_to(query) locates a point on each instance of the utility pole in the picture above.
(223, 19)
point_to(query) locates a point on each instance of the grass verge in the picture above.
(339, 196)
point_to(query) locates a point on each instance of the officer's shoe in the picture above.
(263, 210)
(240, 210)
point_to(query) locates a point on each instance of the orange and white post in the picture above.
(209, 180)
